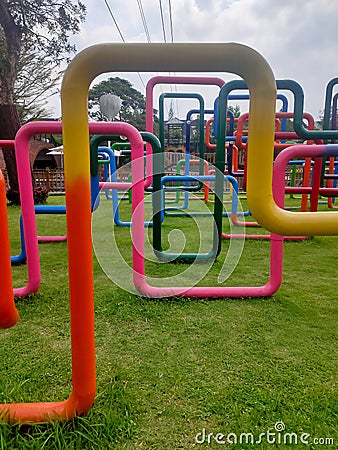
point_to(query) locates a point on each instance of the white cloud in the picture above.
(297, 38)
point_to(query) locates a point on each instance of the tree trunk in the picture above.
(10, 46)
(9, 125)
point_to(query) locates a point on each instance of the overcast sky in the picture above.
(298, 38)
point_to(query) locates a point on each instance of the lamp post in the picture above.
(110, 105)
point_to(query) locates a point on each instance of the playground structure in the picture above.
(265, 192)
(8, 312)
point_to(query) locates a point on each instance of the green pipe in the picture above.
(177, 190)
(118, 145)
(299, 127)
(94, 143)
(158, 173)
(327, 106)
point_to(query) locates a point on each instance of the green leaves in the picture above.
(133, 102)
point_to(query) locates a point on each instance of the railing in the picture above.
(50, 179)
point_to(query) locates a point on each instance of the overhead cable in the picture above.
(144, 21)
(162, 20)
(120, 33)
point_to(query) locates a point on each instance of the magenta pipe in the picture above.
(115, 185)
(161, 79)
(52, 238)
(26, 192)
(7, 143)
(139, 279)
(328, 192)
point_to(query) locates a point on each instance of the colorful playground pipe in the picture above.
(259, 188)
(160, 79)
(80, 278)
(265, 197)
(88, 64)
(8, 312)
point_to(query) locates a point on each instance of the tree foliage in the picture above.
(333, 117)
(42, 27)
(133, 101)
(34, 84)
(44, 24)
(236, 110)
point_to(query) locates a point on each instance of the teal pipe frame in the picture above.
(327, 106)
(158, 173)
(298, 93)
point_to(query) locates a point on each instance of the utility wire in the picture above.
(146, 30)
(144, 21)
(121, 35)
(162, 20)
(172, 41)
(171, 22)
(115, 22)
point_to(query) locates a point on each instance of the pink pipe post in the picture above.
(160, 79)
(140, 282)
(27, 207)
(26, 192)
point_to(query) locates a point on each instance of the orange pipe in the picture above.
(81, 305)
(207, 135)
(279, 115)
(235, 158)
(208, 144)
(82, 326)
(244, 118)
(8, 313)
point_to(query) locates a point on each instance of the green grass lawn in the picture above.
(169, 370)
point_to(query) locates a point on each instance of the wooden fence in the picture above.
(50, 179)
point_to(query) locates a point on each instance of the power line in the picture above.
(162, 20)
(172, 41)
(171, 22)
(139, 75)
(120, 33)
(144, 21)
(115, 22)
